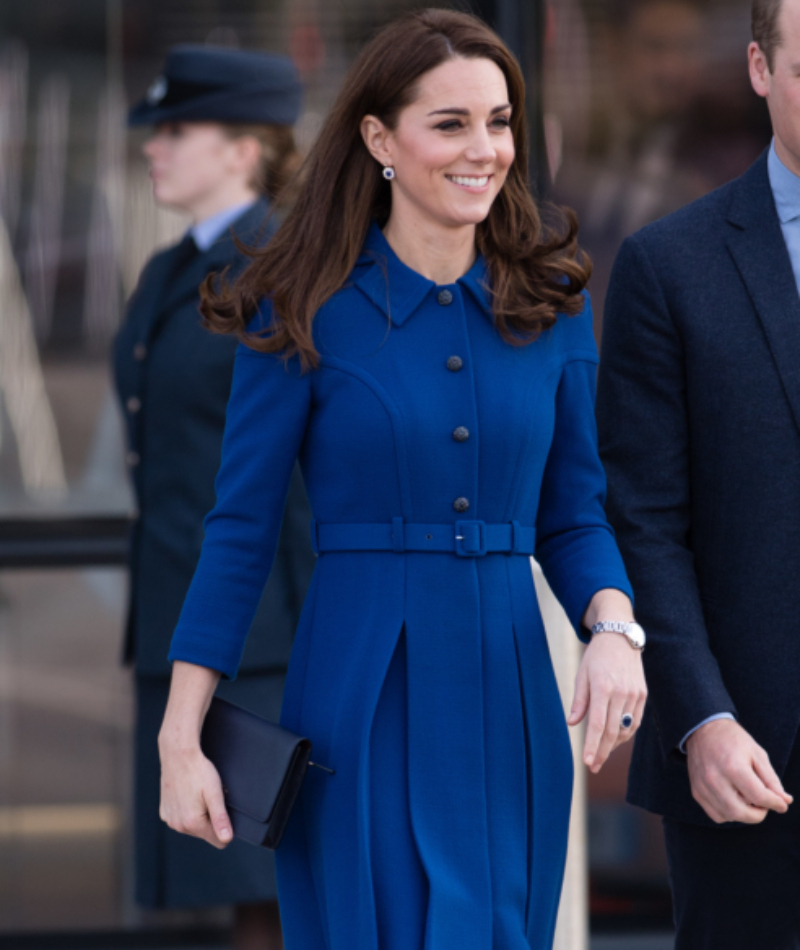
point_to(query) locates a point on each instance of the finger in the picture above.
(616, 707)
(625, 734)
(198, 826)
(753, 790)
(734, 807)
(596, 724)
(764, 770)
(580, 702)
(218, 815)
(709, 807)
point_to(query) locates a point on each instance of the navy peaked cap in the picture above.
(218, 84)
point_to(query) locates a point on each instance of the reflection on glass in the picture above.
(667, 115)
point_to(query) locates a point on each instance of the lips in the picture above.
(469, 181)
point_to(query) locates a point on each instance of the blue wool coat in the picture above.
(433, 452)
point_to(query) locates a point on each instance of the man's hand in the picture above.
(731, 775)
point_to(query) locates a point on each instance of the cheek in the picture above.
(197, 165)
(426, 158)
(506, 153)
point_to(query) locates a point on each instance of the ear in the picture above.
(378, 139)
(760, 74)
(247, 154)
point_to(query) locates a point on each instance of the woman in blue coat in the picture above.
(422, 346)
(221, 141)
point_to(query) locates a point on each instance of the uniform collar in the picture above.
(785, 187)
(207, 232)
(398, 291)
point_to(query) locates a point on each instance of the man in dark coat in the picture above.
(699, 419)
(211, 108)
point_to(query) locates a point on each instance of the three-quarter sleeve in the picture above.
(575, 545)
(265, 426)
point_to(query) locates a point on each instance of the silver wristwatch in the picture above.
(632, 632)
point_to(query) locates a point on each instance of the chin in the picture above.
(470, 216)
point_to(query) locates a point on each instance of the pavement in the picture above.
(633, 942)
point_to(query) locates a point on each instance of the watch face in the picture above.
(636, 634)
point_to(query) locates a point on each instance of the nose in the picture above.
(150, 147)
(480, 149)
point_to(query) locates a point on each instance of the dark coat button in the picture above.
(461, 434)
(455, 363)
(461, 504)
(139, 352)
(133, 405)
(133, 459)
(445, 298)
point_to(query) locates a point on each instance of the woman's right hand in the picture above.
(191, 791)
(192, 801)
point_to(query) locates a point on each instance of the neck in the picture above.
(229, 196)
(439, 253)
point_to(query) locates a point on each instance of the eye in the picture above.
(449, 125)
(501, 122)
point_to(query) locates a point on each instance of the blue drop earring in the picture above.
(388, 173)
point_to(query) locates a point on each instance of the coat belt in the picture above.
(464, 538)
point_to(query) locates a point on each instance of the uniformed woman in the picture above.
(221, 149)
(424, 347)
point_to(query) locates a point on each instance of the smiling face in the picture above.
(452, 146)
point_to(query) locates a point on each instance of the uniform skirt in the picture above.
(175, 870)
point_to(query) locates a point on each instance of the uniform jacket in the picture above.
(437, 457)
(699, 419)
(174, 379)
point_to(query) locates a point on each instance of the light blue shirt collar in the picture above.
(785, 187)
(207, 232)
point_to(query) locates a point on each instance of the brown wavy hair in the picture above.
(535, 272)
(279, 160)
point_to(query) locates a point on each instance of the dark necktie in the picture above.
(184, 254)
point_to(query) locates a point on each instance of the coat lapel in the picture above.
(250, 229)
(756, 243)
(147, 303)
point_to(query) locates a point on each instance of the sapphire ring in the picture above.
(627, 721)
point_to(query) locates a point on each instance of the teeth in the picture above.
(469, 182)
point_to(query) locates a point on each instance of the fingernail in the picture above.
(225, 834)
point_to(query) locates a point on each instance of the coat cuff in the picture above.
(206, 651)
(574, 582)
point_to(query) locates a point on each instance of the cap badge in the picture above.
(157, 91)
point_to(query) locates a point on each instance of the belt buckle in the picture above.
(470, 538)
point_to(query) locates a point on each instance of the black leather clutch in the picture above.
(262, 767)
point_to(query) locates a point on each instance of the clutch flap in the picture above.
(253, 757)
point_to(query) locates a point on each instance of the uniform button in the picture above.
(455, 363)
(132, 459)
(461, 434)
(139, 352)
(461, 504)
(445, 298)
(134, 404)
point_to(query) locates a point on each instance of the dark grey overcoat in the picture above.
(699, 417)
(173, 378)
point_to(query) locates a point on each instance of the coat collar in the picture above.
(252, 228)
(398, 291)
(756, 243)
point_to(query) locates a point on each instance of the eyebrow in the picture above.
(456, 111)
